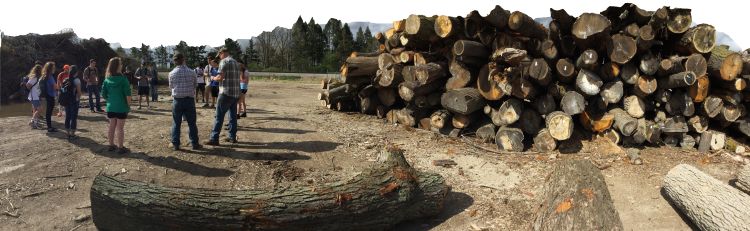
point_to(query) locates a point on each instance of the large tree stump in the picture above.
(576, 198)
(383, 195)
(708, 202)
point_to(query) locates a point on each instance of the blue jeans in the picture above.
(93, 89)
(184, 107)
(223, 104)
(71, 115)
(154, 93)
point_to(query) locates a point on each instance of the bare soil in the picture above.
(288, 139)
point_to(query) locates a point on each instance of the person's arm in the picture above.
(126, 90)
(104, 91)
(138, 74)
(220, 76)
(29, 84)
(78, 89)
(171, 79)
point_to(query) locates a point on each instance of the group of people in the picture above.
(226, 80)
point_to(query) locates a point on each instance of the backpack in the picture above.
(67, 91)
(42, 88)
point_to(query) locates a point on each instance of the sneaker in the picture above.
(212, 142)
(111, 148)
(51, 129)
(234, 141)
(205, 105)
(123, 150)
(243, 114)
(197, 147)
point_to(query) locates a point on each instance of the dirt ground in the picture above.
(289, 139)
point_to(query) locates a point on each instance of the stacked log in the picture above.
(641, 76)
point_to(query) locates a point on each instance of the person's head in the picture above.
(36, 71)
(114, 67)
(92, 63)
(66, 68)
(73, 70)
(38, 62)
(213, 62)
(179, 59)
(48, 69)
(223, 53)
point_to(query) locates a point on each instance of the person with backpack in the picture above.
(154, 82)
(116, 90)
(48, 91)
(70, 98)
(32, 84)
(91, 76)
(143, 75)
(60, 78)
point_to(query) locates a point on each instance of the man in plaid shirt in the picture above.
(229, 93)
(182, 82)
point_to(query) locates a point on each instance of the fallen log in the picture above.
(559, 125)
(576, 197)
(743, 179)
(509, 139)
(544, 142)
(387, 193)
(725, 63)
(621, 48)
(698, 39)
(359, 69)
(462, 101)
(709, 203)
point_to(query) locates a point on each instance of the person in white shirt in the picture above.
(33, 85)
(201, 87)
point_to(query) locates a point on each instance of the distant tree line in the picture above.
(306, 47)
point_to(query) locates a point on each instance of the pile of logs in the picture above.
(628, 74)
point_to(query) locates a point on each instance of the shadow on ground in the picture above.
(302, 146)
(167, 162)
(456, 203)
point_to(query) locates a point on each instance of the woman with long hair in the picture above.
(48, 89)
(244, 78)
(33, 85)
(71, 111)
(116, 90)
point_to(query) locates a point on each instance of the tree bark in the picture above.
(421, 27)
(508, 113)
(576, 198)
(531, 122)
(462, 101)
(446, 27)
(559, 125)
(509, 139)
(498, 17)
(526, 26)
(589, 59)
(427, 73)
(681, 79)
(549, 50)
(649, 64)
(359, 69)
(470, 52)
(743, 179)
(634, 106)
(712, 106)
(486, 132)
(440, 118)
(630, 73)
(510, 56)
(462, 121)
(387, 96)
(487, 85)
(389, 187)
(544, 104)
(709, 203)
(590, 29)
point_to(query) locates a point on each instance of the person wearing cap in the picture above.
(143, 75)
(182, 83)
(91, 76)
(229, 93)
(60, 78)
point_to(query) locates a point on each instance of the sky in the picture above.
(154, 23)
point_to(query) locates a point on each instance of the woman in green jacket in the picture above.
(116, 90)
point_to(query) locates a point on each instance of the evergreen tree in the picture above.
(332, 32)
(135, 53)
(360, 43)
(145, 53)
(162, 57)
(371, 43)
(251, 54)
(300, 45)
(317, 43)
(234, 49)
(346, 43)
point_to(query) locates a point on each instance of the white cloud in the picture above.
(210, 22)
